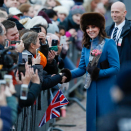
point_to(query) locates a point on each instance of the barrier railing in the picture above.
(74, 55)
(29, 118)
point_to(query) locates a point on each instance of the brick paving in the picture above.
(75, 116)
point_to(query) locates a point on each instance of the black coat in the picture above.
(1, 47)
(125, 48)
(119, 120)
(40, 71)
(51, 68)
(49, 82)
(34, 90)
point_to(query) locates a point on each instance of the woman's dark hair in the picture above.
(61, 27)
(86, 39)
(51, 13)
(39, 25)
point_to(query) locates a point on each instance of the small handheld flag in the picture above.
(53, 109)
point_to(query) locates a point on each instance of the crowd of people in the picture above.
(34, 45)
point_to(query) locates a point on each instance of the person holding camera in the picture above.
(32, 80)
(31, 43)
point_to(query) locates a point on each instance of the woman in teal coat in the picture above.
(102, 73)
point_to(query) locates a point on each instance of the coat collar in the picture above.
(1, 47)
(125, 29)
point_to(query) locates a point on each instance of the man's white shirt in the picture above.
(120, 27)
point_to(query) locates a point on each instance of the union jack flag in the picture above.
(53, 109)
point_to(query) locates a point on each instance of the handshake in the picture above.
(66, 75)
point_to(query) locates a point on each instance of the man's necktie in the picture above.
(114, 34)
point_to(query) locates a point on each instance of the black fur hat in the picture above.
(92, 19)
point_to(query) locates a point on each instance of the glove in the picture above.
(67, 73)
(93, 71)
(90, 68)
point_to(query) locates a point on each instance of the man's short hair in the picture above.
(1, 30)
(2, 15)
(3, 9)
(8, 24)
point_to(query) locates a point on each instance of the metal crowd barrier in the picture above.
(74, 54)
(29, 118)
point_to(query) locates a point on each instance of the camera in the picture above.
(54, 42)
(14, 42)
(36, 29)
(21, 69)
(24, 92)
(6, 61)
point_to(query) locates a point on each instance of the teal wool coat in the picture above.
(98, 95)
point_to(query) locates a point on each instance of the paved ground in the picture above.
(75, 116)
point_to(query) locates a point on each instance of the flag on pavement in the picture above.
(53, 109)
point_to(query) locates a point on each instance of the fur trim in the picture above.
(67, 73)
(92, 19)
(95, 74)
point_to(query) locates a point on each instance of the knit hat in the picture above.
(67, 3)
(18, 24)
(61, 10)
(14, 11)
(77, 10)
(123, 80)
(53, 28)
(94, 18)
(35, 21)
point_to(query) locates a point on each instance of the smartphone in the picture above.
(55, 48)
(24, 92)
(30, 60)
(8, 79)
(37, 52)
(54, 42)
(24, 57)
(63, 40)
(21, 68)
(14, 42)
(36, 29)
(2, 84)
(7, 43)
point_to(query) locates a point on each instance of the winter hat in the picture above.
(45, 16)
(61, 10)
(77, 9)
(14, 11)
(67, 3)
(123, 80)
(34, 21)
(18, 24)
(53, 28)
(92, 19)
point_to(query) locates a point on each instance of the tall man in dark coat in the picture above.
(120, 31)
